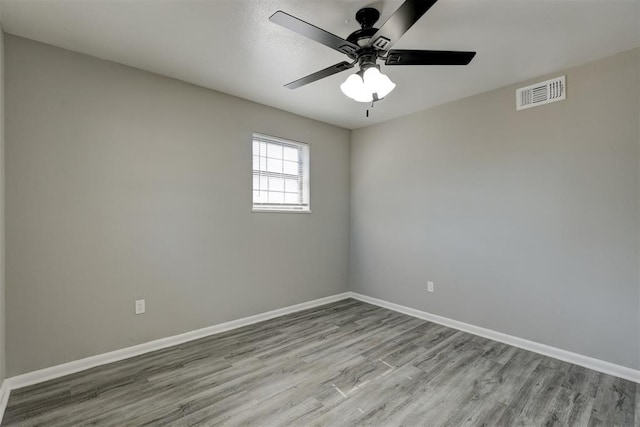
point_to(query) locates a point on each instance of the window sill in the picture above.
(286, 211)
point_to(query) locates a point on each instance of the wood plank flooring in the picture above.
(345, 363)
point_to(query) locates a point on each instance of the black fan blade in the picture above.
(314, 33)
(428, 57)
(398, 23)
(329, 71)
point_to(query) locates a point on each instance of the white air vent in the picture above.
(541, 93)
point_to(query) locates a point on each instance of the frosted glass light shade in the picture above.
(361, 86)
(376, 82)
(354, 88)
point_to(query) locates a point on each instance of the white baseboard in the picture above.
(4, 398)
(57, 371)
(546, 350)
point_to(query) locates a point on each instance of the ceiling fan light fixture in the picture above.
(362, 85)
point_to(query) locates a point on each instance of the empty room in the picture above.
(320, 213)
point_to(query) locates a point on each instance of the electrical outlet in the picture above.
(429, 286)
(140, 306)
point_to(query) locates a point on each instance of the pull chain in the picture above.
(371, 106)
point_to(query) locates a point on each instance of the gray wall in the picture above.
(2, 299)
(526, 221)
(638, 333)
(122, 184)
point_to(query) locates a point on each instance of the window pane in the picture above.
(291, 186)
(263, 149)
(291, 154)
(256, 148)
(291, 198)
(274, 166)
(256, 163)
(256, 182)
(264, 183)
(274, 151)
(260, 197)
(276, 197)
(291, 168)
(276, 184)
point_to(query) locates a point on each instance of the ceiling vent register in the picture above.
(541, 93)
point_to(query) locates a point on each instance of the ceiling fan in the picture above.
(368, 44)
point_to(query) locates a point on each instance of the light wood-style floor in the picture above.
(346, 363)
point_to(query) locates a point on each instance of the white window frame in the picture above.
(303, 176)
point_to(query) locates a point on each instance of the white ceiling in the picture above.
(231, 46)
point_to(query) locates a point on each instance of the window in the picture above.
(280, 175)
